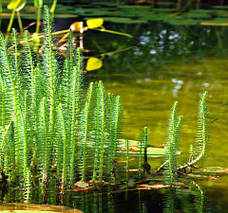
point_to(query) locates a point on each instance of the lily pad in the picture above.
(81, 184)
(135, 150)
(178, 21)
(124, 20)
(198, 14)
(223, 13)
(221, 7)
(106, 4)
(216, 22)
(163, 10)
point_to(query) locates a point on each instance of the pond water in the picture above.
(161, 69)
(162, 64)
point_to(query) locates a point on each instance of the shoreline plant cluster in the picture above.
(50, 130)
(48, 127)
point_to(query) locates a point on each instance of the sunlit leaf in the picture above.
(93, 64)
(16, 5)
(53, 6)
(216, 22)
(38, 3)
(94, 23)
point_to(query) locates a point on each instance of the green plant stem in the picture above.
(85, 136)
(20, 22)
(52, 10)
(75, 112)
(38, 17)
(202, 132)
(113, 32)
(10, 25)
(102, 109)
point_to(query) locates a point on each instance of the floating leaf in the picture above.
(163, 10)
(93, 64)
(198, 14)
(106, 4)
(178, 21)
(223, 13)
(94, 23)
(136, 7)
(16, 5)
(81, 184)
(154, 186)
(124, 20)
(221, 7)
(216, 22)
(135, 150)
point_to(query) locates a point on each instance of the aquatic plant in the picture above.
(172, 143)
(170, 165)
(47, 123)
(202, 134)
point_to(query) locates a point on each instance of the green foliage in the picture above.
(47, 124)
(172, 143)
(197, 152)
(202, 130)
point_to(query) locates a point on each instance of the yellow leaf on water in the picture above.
(94, 23)
(16, 5)
(214, 24)
(93, 64)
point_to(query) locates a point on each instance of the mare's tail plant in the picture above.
(172, 143)
(48, 128)
(142, 160)
(202, 134)
(84, 123)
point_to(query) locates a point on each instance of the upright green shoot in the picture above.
(171, 144)
(101, 106)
